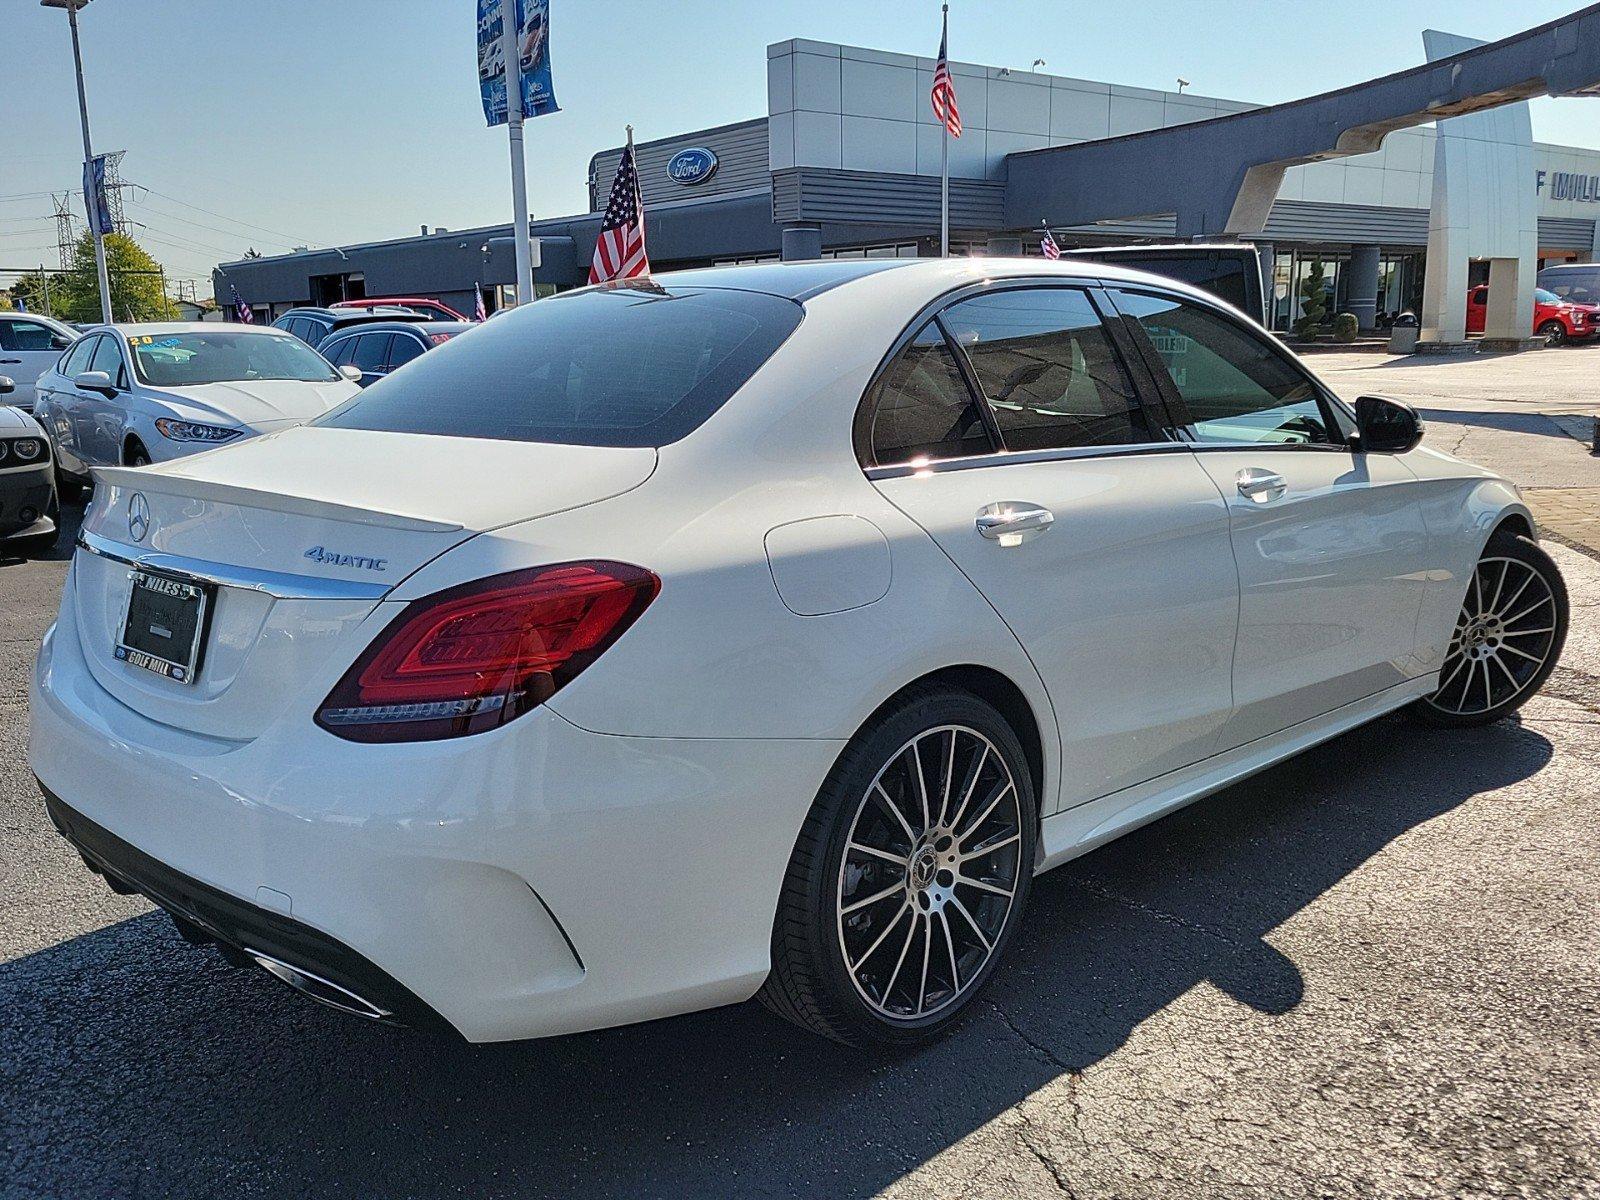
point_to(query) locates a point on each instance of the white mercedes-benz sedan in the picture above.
(752, 631)
(143, 393)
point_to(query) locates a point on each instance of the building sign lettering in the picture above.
(1565, 185)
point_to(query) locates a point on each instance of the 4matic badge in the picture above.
(360, 561)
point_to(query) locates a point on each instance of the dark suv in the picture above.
(313, 325)
(385, 346)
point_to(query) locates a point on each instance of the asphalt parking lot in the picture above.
(1367, 972)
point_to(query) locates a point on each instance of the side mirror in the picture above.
(7, 386)
(1387, 426)
(59, 341)
(353, 374)
(94, 381)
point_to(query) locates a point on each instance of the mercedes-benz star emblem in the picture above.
(138, 516)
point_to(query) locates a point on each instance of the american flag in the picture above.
(241, 311)
(478, 313)
(1048, 245)
(619, 253)
(943, 95)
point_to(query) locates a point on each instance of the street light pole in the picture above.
(512, 51)
(72, 7)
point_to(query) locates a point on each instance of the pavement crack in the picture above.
(1161, 914)
(1032, 1043)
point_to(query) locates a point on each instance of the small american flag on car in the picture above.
(1048, 245)
(478, 313)
(943, 96)
(242, 311)
(619, 252)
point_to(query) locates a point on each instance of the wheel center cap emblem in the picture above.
(138, 516)
(923, 867)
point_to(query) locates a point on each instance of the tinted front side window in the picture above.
(1236, 387)
(1048, 369)
(77, 359)
(921, 407)
(25, 335)
(641, 364)
(108, 358)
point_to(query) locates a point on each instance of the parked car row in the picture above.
(745, 631)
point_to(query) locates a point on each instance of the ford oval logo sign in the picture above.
(695, 165)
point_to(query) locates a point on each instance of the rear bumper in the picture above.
(244, 927)
(535, 880)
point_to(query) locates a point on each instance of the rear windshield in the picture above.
(189, 359)
(636, 364)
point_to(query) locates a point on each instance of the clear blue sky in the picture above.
(327, 121)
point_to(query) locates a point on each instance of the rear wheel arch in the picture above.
(1000, 692)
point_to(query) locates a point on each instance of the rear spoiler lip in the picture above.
(145, 480)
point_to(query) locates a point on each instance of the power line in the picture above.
(290, 238)
(145, 204)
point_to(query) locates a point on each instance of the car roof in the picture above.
(165, 328)
(792, 280)
(403, 327)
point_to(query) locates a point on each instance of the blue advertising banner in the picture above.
(533, 44)
(94, 195)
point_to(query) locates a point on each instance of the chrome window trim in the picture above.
(280, 585)
(1017, 458)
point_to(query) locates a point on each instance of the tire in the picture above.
(1555, 333)
(1508, 636)
(134, 454)
(866, 867)
(38, 545)
(67, 491)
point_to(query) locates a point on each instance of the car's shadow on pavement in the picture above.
(131, 1065)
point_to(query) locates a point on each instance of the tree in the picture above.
(29, 291)
(1313, 301)
(135, 276)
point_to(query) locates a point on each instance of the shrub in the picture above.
(1313, 293)
(1346, 328)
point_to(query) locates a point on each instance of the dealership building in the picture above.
(845, 163)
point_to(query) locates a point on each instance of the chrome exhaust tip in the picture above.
(321, 990)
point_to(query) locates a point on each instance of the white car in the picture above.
(143, 393)
(28, 508)
(753, 630)
(30, 344)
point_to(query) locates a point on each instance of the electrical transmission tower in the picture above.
(66, 233)
(114, 189)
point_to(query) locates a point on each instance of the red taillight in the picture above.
(473, 657)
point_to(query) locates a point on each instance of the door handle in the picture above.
(1260, 485)
(11, 361)
(1012, 522)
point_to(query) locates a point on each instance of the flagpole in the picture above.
(519, 172)
(944, 159)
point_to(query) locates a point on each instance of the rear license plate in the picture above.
(165, 625)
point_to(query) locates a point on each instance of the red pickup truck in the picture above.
(1554, 319)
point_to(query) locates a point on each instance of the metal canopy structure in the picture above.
(1221, 176)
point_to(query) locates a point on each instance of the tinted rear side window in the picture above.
(1047, 367)
(637, 365)
(921, 407)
